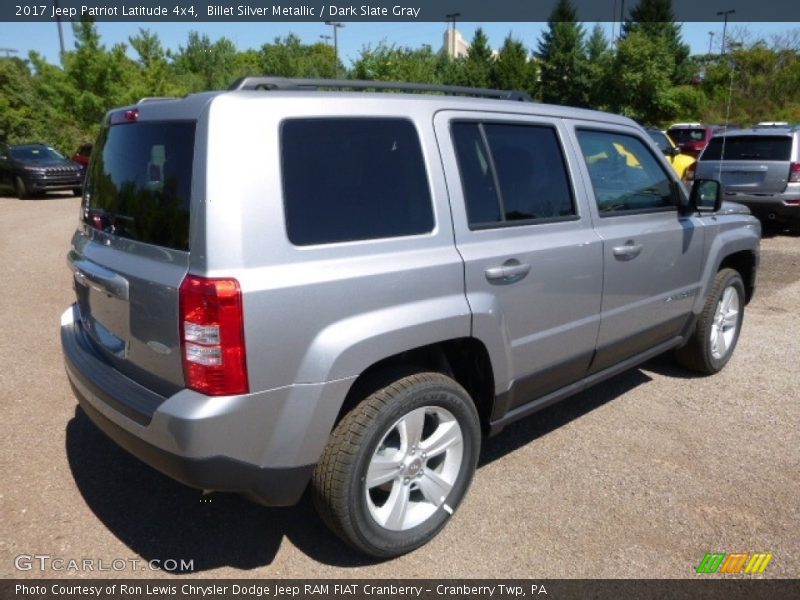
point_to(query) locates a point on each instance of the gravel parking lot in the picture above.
(639, 476)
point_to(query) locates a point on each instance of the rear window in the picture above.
(353, 179)
(751, 147)
(139, 183)
(685, 135)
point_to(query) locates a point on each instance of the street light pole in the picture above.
(710, 40)
(724, 14)
(326, 39)
(60, 33)
(452, 41)
(336, 25)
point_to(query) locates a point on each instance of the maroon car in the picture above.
(82, 155)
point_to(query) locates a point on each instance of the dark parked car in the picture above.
(29, 169)
(692, 138)
(82, 155)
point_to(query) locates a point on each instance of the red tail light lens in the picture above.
(794, 172)
(688, 174)
(212, 336)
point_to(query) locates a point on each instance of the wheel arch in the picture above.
(465, 360)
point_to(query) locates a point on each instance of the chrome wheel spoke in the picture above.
(396, 506)
(410, 428)
(730, 319)
(383, 469)
(446, 435)
(433, 487)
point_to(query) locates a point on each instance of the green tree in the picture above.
(562, 59)
(203, 65)
(154, 76)
(655, 19)
(476, 68)
(290, 57)
(513, 69)
(388, 62)
(599, 69)
(641, 85)
(101, 79)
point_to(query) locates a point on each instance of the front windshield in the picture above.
(35, 153)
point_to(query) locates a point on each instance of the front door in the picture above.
(652, 254)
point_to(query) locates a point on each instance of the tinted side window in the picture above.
(353, 179)
(512, 173)
(751, 147)
(625, 175)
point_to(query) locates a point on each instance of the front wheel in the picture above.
(717, 330)
(20, 188)
(399, 464)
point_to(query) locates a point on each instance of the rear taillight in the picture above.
(688, 174)
(794, 172)
(212, 336)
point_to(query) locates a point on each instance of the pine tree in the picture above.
(600, 59)
(655, 19)
(562, 59)
(512, 70)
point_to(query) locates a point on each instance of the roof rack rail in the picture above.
(288, 83)
(155, 99)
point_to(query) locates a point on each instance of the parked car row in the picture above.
(31, 169)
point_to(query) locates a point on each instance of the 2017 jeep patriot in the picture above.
(279, 286)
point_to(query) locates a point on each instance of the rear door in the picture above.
(131, 250)
(652, 255)
(752, 164)
(533, 263)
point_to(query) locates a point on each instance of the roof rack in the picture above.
(287, 83)
(155, 99)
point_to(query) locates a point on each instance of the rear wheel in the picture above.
(77, 192)
(717, 330)
(399, 464)
(20, 188)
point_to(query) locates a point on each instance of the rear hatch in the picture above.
(131, 250)
(752, 164)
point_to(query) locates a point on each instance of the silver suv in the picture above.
(280, 286)
(759, 168)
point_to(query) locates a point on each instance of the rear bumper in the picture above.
(780, 207)
(262, 445)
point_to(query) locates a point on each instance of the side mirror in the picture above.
(706, 195)
(675, 150)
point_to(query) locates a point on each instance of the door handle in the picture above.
(510, 272)
(628, 251)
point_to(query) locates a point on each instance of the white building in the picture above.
(454, 43)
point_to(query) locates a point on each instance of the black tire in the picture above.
(20, 188)
(77, 192)
(339, 484)
(794, 227)
(699, 354)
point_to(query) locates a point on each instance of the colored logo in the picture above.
(740, 562)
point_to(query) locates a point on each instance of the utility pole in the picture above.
(710, 40)
(326, 39)
(60, 33)
(724, 14)
(452, 41)
(336, 25)
(9, 51)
